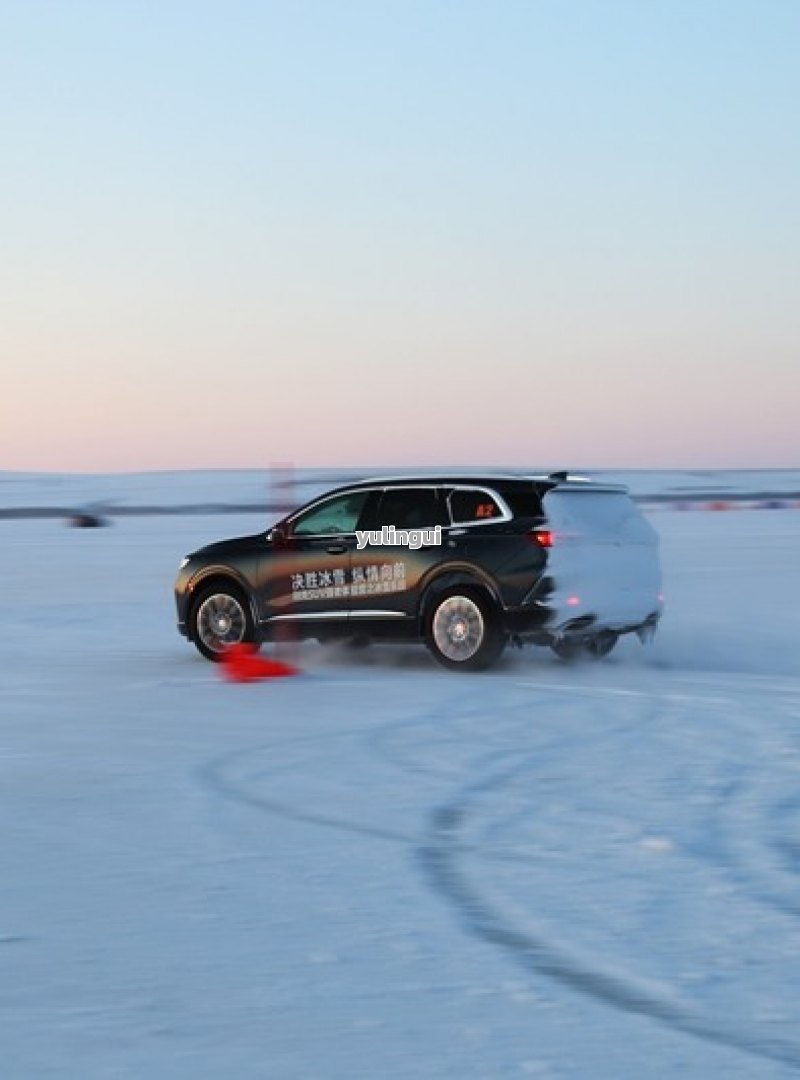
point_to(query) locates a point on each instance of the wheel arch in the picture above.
(219, 577)
(452, 577)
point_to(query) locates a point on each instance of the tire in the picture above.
(220, 617)
(593, 648)
(463, 630)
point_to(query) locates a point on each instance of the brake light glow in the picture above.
(543, 537)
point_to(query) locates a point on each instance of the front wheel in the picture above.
(220, 618)
(463, 630)
(592, 648)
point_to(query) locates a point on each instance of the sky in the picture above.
(347, 232)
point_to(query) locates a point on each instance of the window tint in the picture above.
(337, 515)
(473, 506)
(523, 503)
(410, 508)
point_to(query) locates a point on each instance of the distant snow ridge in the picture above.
(62, 495)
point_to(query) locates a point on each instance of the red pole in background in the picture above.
(283, 492)
(241, 663)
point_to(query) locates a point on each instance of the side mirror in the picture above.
(277, 534)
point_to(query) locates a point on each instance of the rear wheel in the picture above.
(220, 618)
(463, 630)
(592, 648)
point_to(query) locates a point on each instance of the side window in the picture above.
(337, 515)
(466, 506)
(410, 508)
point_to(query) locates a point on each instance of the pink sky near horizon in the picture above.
(95, 411)
(494, 414)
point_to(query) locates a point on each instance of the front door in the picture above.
(305, 577)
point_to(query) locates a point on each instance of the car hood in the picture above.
(236, 545)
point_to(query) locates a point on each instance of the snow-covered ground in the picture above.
(380, 868)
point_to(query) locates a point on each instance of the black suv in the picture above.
(464, 564)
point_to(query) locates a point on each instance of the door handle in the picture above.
(336, 549)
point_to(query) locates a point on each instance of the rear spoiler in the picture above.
(565, 481)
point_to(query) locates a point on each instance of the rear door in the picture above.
(386, 578)
(486, 537)
(604, 558)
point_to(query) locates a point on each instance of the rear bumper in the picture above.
(535, 625)
(586, 625)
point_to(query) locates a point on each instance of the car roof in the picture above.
(543, 482)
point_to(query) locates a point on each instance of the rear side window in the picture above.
(473, 505)
(410, 508)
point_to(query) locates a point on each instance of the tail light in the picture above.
(543, 537)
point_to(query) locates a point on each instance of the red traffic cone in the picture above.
(241, 663)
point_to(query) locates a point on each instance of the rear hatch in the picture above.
(603, 561)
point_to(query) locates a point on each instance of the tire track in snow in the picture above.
(440, 850)
(498, 922)
(757, 821)
(223, 775)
